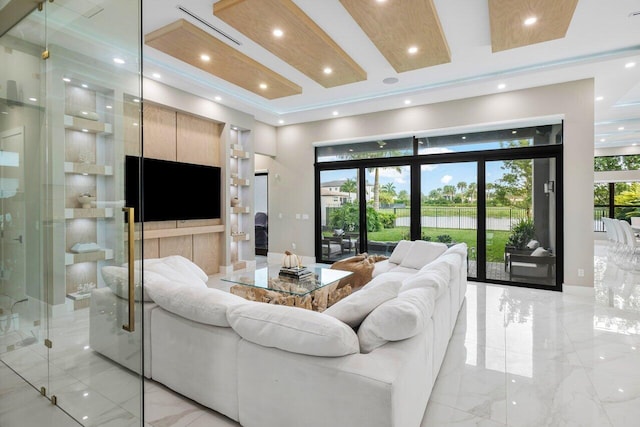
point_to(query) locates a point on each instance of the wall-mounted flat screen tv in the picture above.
(172, 190)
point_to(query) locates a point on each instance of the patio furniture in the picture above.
(533, 266)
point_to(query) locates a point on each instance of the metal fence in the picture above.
(619, 212)
(463, 218)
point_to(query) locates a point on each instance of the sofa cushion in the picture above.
(422, 253)
(117, 279)
(353, 309)
(200, 304)
(186, 266)
(293, 329)
(182, 275)
(382, 267)
(397, 319)
(400, 251)
(436, 276)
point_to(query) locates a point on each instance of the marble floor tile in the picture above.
(518, 357)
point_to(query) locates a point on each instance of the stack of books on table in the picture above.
(295, 272)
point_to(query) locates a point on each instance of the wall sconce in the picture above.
(549, 187)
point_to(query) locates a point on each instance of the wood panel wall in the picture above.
(177, 136)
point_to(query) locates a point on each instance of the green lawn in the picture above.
(496, 239)
(463, 211)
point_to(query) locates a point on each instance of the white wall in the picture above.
(264, 139)
(292, 190)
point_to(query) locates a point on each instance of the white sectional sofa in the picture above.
(369, 360)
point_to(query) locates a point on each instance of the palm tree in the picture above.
(349, 186)
(449, 191)
(472, 190)
(390, 188)
(462, 186)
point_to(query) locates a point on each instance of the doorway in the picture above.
(261, 203)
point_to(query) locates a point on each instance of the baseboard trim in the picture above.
(582, 291)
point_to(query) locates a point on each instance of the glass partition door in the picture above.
(71, 105)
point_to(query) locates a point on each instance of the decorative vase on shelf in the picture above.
(86, 200)
(235, 201)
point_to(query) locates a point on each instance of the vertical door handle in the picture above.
(131, 243)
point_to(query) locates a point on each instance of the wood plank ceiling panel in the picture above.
(186, 42)
(396, 26)
(302, 44)
(507, 18)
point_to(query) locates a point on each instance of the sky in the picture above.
(433, 176)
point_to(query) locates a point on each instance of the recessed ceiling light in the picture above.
(634, 144)
(335, 113)
(502, 86)
(281, 121)
(602, 140)
(234, 128)
(118, 60)
(84, 85)
(109, 107)
(263, 85)
(621, 128)
(218, 98)
(156, 75)
(464, 137)
(407, 101)
(85, 130)
(205, 57)
(381, 1)
(514, 132)
(66, 79)
(351, 150)
(278, 32)
(413, 50)
(629, 65)
(32, 99)
(530, 20)
(390, 80)
(599, 98)
(327, 70)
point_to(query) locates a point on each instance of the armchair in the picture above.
(537, 265)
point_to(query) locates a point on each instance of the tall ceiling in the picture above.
(601, 38)
(474, 48)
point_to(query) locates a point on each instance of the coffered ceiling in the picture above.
(591, 39)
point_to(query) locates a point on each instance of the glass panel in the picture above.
(93, 108)
(366, 150)
(521, 205)
(491, 140)
(339, 213)
(627, 200)
(449, 208)
(23, 308)
(388, 196)
(616, 163)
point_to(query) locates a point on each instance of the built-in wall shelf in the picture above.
(85, 125)
(240, 182)
(87, 169)
(240, 237)
(72, 213)
(240, 209)
(71, 258)
(76, 296)
(240, 154)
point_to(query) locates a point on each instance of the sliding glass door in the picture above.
(521, 244)
(449, 206)
(339, 214)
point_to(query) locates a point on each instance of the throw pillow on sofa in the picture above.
(397, 319)
(435, 275)
(117, 278)
(422, 253)
(353, 309)
(401, 250)
(293, 329)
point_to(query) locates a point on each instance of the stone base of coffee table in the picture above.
(317, 300)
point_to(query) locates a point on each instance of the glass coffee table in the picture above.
(315, 292)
